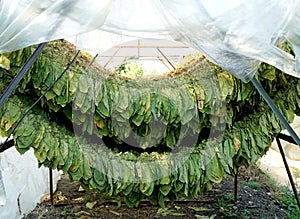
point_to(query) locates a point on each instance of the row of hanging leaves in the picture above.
(249, 129)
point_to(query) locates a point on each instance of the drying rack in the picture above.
(293, 138)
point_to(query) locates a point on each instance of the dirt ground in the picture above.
(255, 200)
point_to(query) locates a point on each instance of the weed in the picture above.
(229, 197)
(226, 207)
(67, 213)
(289, 202)
(225, 201)
(253, 185)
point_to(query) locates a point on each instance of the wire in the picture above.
(39, 99)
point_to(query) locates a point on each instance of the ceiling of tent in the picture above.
(112, 50)
(165, 53)
(162, 52)
(236, 35)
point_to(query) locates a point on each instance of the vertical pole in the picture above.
(235, 188)
(51, 186)
(288, 171)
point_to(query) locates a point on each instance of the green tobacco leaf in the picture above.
(147, 185)
(64, 149)
(91, 205)
(76, 176)
(161, 200)
(132, 200)
(183, 174)
(84, 84)
(147, 188)
(214, 171)
(25, 142)
(226, 84)
(68, 162)
(10, 116)
(191, 170)
(87, 172)
(40, 130)
(165, 189)
(79, 99)
(4, 62)
(59, 86)
(63, 99)
(102, 110)
(269, 74)
(205, 217)
(168, 212)
(100, 179)
(199, 208)
(137, 119)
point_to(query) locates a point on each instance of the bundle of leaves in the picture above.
(155, 138)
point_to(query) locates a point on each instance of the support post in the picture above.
(288, 172)
(236, 188)
(51, 186)
(279, 115)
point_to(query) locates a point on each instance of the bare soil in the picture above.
(255, 200)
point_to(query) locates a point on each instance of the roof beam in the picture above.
(166, 58)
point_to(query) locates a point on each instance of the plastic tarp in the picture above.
(22, 183)
(235, 34)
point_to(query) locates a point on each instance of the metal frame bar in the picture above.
(111, 57)
(152, 47)
(288, 171)
(162, 61)
(21, 73)
(166, 58)
(274, 108)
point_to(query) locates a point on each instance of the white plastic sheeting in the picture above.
(235, 34)
(2, 190)
(23, 182)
